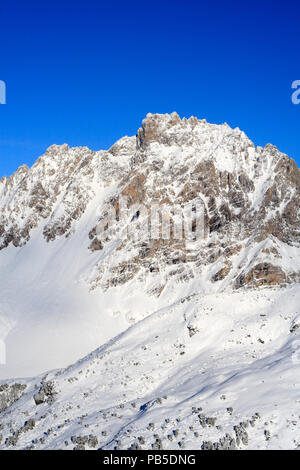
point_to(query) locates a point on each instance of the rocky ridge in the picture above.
(250, 194)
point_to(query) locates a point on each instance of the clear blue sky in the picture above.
(86, 73)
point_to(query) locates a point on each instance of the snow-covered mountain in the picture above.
(177, 324)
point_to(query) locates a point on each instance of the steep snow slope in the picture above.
(53, 318)
(216, 370)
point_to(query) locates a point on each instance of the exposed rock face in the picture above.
(45, 393)
(9, 394)
(154, 129)
(261, 274)
(251, 197)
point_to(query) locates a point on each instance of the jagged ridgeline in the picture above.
(250, 195)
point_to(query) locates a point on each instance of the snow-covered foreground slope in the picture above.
(220, 368)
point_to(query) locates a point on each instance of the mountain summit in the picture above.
(250, 195)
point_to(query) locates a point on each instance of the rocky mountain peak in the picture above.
(82, 286)
(250, 196)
